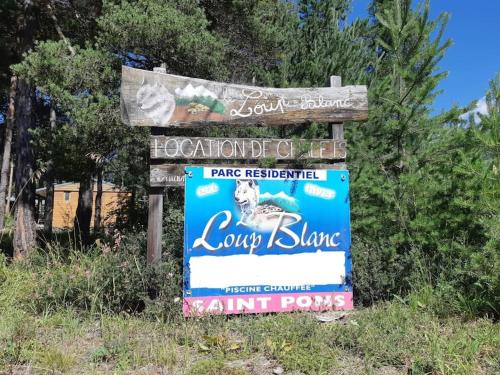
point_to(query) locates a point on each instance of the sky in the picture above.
(474, 58)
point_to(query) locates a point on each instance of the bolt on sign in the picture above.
(266, 240)
(165, 100)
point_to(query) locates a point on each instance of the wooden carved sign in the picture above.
(198, 148)
(173, 175)
(164, 100)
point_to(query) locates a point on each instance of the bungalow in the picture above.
(66, 202)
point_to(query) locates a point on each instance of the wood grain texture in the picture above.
(155, 225)
(156, 99)
(163, 147)
(337, 130)
(166, 175)
(173, 175)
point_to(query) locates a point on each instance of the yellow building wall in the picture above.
(65, 211)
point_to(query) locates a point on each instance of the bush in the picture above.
(103, 279)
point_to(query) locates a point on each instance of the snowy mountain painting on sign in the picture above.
(161, 106)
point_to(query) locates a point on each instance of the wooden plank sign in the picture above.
(165, 100)
(166, 175)
(173, 175)
(163, 147)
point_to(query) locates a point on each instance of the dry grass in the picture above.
(410, 336)
(389, 339)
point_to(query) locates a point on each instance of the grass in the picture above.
(392, 335)
(49, 324)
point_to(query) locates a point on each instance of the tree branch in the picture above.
(59, 30)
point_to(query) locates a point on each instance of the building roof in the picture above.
(107, 187)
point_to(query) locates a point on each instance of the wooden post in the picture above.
(155, 213)
(155, 224)
(337, 130)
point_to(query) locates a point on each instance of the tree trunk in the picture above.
(84, 209)
(49, 185)
(25, 227)
(98, 202)
(9, 188)
(59, 30)
(49, 203)
(4, 173)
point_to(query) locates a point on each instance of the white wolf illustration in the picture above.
(246, 196)
(156, 103)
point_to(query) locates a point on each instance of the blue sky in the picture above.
(474, 58)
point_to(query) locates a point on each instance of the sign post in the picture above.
(337, 130)
(285, 245)
(155, 212)
(155, 223)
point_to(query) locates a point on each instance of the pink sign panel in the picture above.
(267, 303)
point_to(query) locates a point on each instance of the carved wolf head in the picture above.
(156, 102)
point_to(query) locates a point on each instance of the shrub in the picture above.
(106, 278)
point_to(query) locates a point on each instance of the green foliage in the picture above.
(318, 42)
(415, 334)
(407, 335)
(70, 79)
(328, 45)
(256, 34)
(417, 206)
(439, 219)
(109, 278)
(17, 336)
(84, 88)
(55, 360)
(173, 228)
(172, 32)
(298, 349)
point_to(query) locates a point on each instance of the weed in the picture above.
(214, 367)
(17, 337)
(165, 355)
(55, 360)
(101, 354)
(296, 341)
(57, 313)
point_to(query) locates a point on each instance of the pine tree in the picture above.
(23, 22)
(6, 159)
(383, 154)
(148, 33)
(83, 86)
(82, 82)
(25, 230)
(329, 45)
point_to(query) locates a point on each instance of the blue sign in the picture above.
(266, 240)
